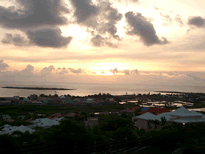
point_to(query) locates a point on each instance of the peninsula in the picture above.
(37, 88)
(172, 92)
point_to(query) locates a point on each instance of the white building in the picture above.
(62, 96)
(89, 101)
(180, 115)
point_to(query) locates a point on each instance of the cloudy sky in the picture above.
(103, 41)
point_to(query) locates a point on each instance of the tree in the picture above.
(124, 115)
(55, 95)
(163, 121)
(136, 113)
(84, 114)
(112, 122)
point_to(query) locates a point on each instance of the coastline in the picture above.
(37, 88)
(172, 92)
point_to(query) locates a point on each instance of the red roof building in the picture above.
(132, 109)
(70, 115)
(155, 110)
(10, 120)
(28, 120)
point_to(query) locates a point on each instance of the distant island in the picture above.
(171, 92)
(37, 88)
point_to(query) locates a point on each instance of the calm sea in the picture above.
(84, 89)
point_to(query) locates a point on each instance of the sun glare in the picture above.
(104, 68)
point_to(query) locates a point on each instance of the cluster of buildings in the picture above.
(55, 101)
(166, 104)
(180, 115)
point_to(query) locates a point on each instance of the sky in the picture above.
(103, 41)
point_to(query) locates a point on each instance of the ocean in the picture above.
(84, 89)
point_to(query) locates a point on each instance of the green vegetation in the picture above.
(110, 126)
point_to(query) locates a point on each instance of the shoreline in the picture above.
(37, 88)
(172, 92)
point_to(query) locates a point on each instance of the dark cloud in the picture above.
(196, 21)
(62, 71)
(3, 65)
(126, 72)
(48, 37)
(16, 40)
(47, 70)
(114, 70)
(110, 44)
(84, 10)
(144, 29)
(97, 41)
(135, 71)
(28, 14)
(178, 20)
(76, 71)
(100, 20)
(166, 18)
(112, 16)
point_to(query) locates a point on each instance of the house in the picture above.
(142, 120)
(28, 103)
(29, 120)
(132, 109)
(25, 99)
(76, 100)
(81, 104)
(180, 115)
(34, 96)
(7, 98)
(155, 111)
(35, 101)
(68, 101)
(103, 113)
(70, 115)
(55, 115)
(91, 121)
(62, 96)
(10, 120)
(16, 97)
(145, 108)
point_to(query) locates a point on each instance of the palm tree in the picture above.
(163, 121)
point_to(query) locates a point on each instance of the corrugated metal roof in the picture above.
(147, 116)
(182, 111)
(189, 120)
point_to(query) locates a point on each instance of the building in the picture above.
(7, 98)
(155, 111)
(70, 115)
(81, 104)
(144, 109)
(68, 101)
(180, 115)
(25, 99)
(34, 96)
(132, 109)
(91, 121)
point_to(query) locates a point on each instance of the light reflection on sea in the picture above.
(84, 89)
